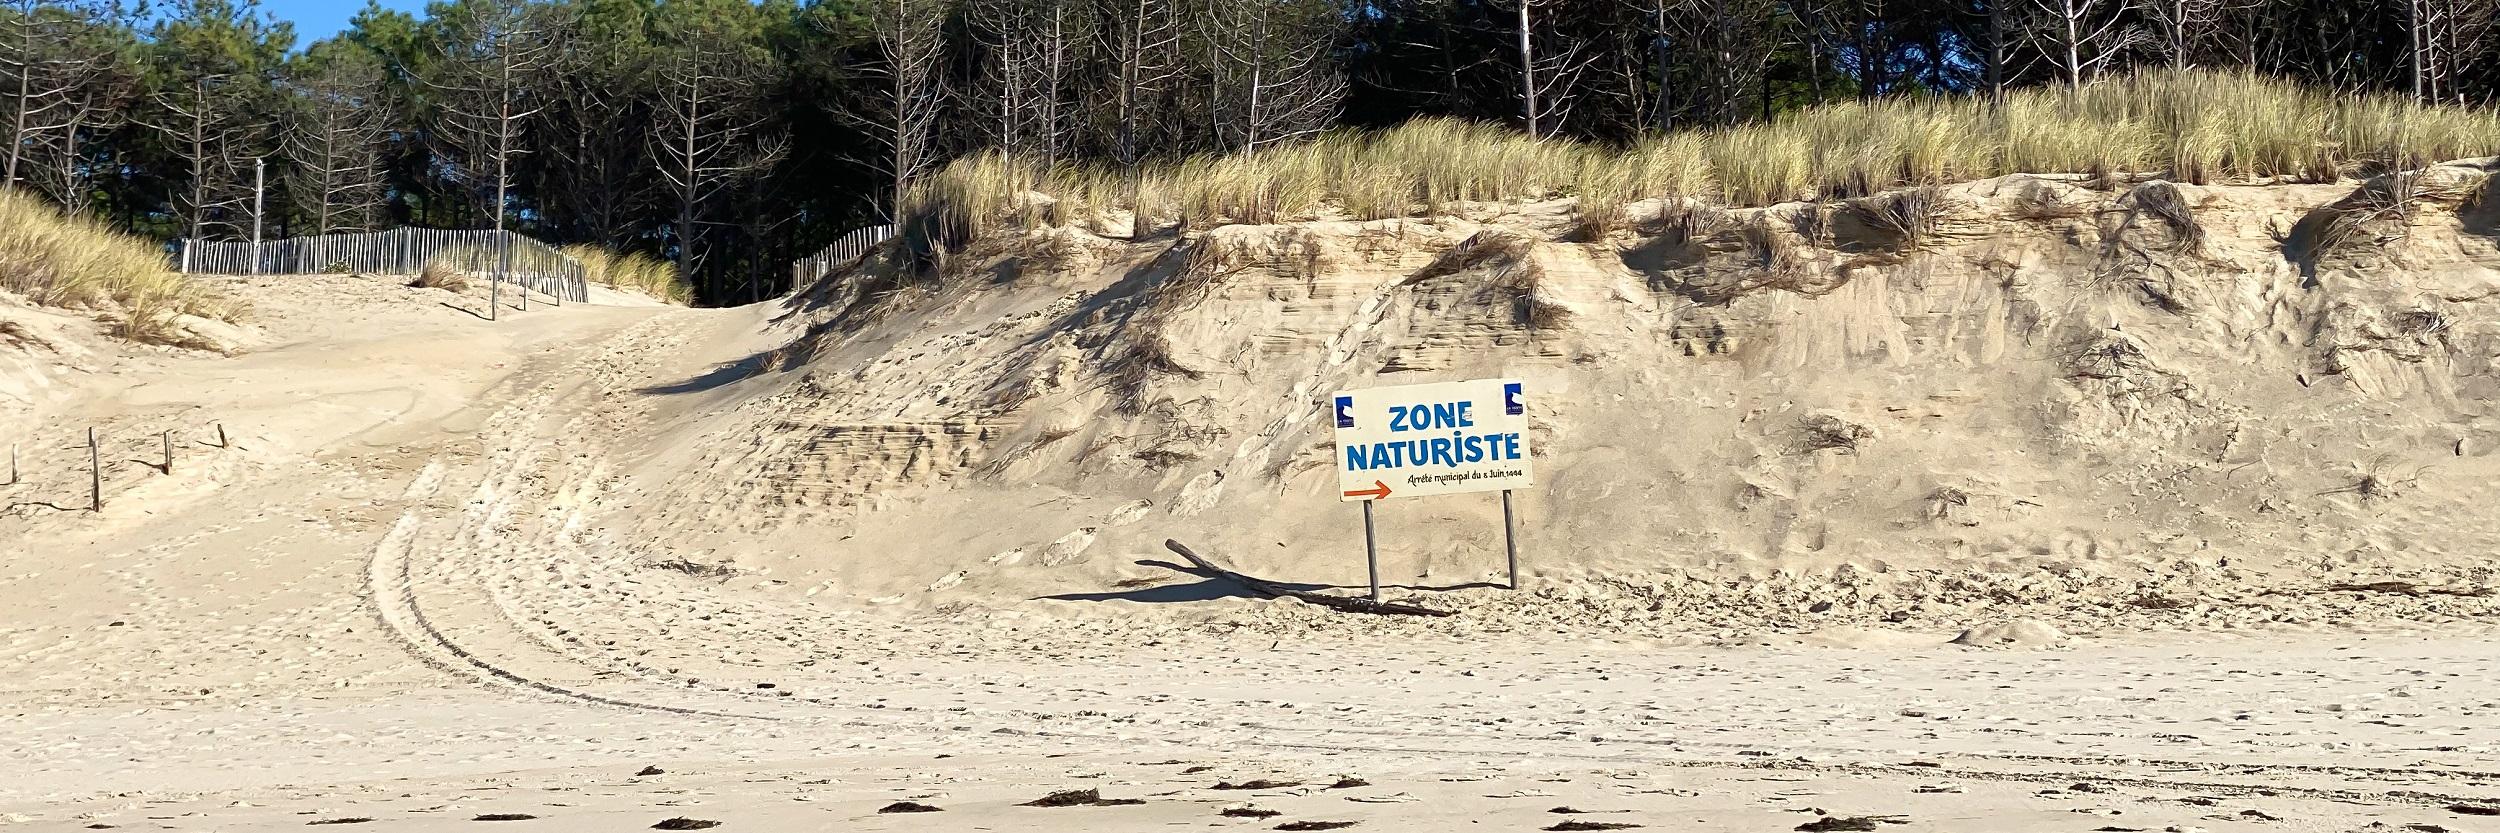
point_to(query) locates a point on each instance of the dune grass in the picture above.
(441, 273)
(2195, 126)
(58, 260)
(633, 270)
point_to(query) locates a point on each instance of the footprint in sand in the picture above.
(1128, 513)
(1199, 494)
(1069, 549)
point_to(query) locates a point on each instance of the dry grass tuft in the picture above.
(1516, 279)
(1829, 432)
(456, 268)
(2041, 201)
(1520, 282)
(1139, 359)
(58, 260)
(1478, 249)
(441, 274)
(17, 335)
(1813, 223)
(2482, 200)
(2383, 478)
(2107, 355)
(2152, 270)
(635, 271)
(2193, 126)
(2357, 226)
(2346, 231)
(2115, 365)
(1683, 222)
(1909, 216)
(2163, 201)
(697, 569)
(1771, 260)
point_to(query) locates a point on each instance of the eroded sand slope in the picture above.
(2031, 391)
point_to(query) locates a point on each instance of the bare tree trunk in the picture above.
(335, 145)
(22, 101)
(97, 108)
(1527, 69)
(1144, 35)
(201, 118)
(2417, 35)
(46, 68)
(2082, 36)
(909, 34)
(23, 62)
(715, 134)
(1996, 51)
(1054, 78)
(1736, 40)
(1666, 65)
(1271, 76)
(492, 62)
(2446, 35)
(2073, 45)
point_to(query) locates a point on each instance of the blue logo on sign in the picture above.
(1345, 412)
(1510, 399)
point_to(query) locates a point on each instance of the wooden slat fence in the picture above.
(841, 254)
(537, 266)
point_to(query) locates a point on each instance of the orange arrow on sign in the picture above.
(1378, 491)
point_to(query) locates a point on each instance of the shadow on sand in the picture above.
(718, 376)
(1210, 587)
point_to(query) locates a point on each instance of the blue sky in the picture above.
(317, 19)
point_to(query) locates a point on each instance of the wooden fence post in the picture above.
(494, 294)
(503, 267)
(95, 474)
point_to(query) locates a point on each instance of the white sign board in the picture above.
(1440, 439)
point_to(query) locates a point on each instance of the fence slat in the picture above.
(535, 266)
(850, 247)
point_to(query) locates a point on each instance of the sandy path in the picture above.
(232, 571)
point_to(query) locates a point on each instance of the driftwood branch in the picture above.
(1271, 589)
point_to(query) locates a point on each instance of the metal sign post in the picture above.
(1371, 551)
(1510, 539)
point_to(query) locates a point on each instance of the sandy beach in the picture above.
(897, 562)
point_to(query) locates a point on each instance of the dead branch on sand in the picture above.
(696, 569)
(1272, 589)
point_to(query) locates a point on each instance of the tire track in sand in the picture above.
(393, 578)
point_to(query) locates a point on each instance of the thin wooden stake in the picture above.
(221, 436)
(168, 437)
(95, 474)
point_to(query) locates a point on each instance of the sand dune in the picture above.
(2042, 518)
